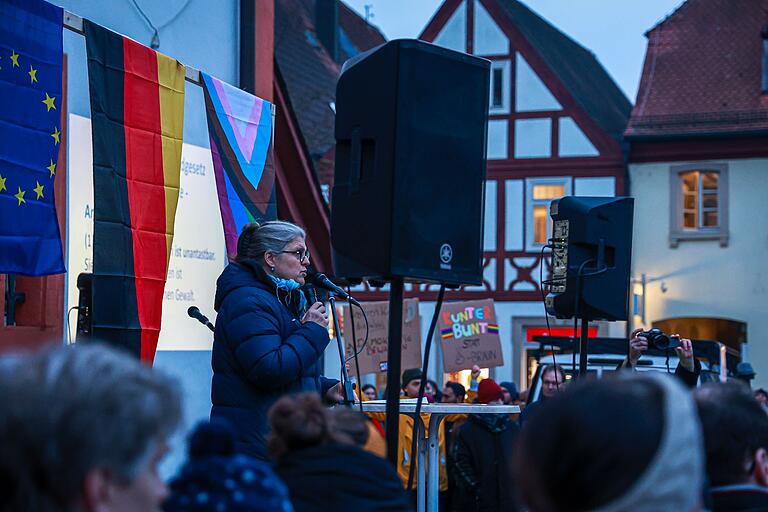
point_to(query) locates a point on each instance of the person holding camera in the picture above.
(688, 368)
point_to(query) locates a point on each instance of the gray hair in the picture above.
(257, 239)
(67, 411)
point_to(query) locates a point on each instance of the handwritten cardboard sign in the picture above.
(469, 335)
(373, 357)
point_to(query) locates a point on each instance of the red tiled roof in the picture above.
(702, 72)
(309, 72)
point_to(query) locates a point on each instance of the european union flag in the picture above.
(30, 136)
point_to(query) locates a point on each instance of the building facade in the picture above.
(697, 168)
(555, 128)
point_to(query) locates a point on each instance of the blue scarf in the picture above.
(289, 286)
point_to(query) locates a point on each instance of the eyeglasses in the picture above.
(301, 254)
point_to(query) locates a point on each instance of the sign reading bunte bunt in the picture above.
(373, 357)
(469, 335)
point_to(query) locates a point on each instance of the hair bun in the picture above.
(300, 420)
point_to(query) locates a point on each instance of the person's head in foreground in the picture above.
(623, 443)
(217, 478)
(84, 428)
(735, 429)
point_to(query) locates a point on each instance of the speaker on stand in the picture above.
(408, 192)
(591, 261)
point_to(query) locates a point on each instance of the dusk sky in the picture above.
(612, 30)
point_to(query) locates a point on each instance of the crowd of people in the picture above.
(85, 427)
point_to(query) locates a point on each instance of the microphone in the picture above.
(195, 313)
(322, 281)
(310, 293)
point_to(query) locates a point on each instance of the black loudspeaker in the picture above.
(591, 257)
(408, 193)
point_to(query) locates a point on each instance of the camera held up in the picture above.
(658, 340)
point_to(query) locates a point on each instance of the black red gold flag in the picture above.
(137, 114)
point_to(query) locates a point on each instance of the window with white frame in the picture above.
(699, 190)
(539, 194)
(699, 203)
(498, 100)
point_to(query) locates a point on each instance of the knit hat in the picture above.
(412, 374)
(488, 391)
(510, 386)
(216, 478)
(673, 479)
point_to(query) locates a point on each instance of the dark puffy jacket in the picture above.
(261, 351)
(341, 477)
(482, 455)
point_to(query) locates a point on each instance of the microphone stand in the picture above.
(349, 396)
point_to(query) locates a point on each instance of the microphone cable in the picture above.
(424, 366)
(355, 353)
(69, 324)
(365, 340)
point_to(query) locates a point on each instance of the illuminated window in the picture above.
(541, 192)
(700, 199)
(698, 209)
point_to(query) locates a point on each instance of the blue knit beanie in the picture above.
(217, 479)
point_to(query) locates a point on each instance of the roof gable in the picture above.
(579, 71)
(702, 72)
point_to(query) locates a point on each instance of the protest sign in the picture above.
(373, 357)
(469, 335)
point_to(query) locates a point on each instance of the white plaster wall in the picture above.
(701, 278)
(533, 138)
(488, 38)
(531, 95)
(454, 34)
(513, 226)
(572, 141)
(498, 139)
(489, 233)
(596, 187)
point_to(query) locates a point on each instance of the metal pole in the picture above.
(433, 462)
(583, 348)
(349, 397)
(393, 368)
(421, 481)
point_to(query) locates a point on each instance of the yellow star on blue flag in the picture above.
(49, 102)
(30, 39)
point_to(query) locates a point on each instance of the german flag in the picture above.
(137, 115)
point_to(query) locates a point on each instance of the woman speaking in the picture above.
(268, 340)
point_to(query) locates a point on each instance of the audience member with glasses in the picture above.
(268, 339)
